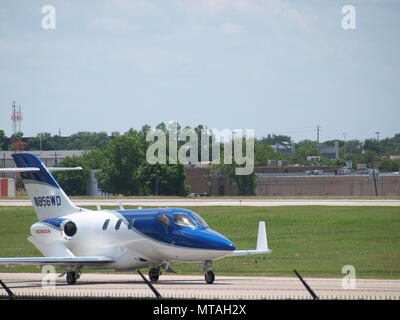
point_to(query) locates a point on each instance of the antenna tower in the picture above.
(16, 118)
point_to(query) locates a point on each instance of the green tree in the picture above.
(371, 145)
(2, 139)
(246, 184)
(85, 140)
(388, 165)
(304, 149)
(273, 139)
(122, 158)
(94, 158)
(73, 182)
(42, 141)
(124, 169)
(161, 179)
(264, 152)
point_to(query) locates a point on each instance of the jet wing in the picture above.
(56, 261)
(248, 252)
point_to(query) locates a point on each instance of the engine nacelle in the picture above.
(55, 229)
(51, 236)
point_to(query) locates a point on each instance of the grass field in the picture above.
(316, 240)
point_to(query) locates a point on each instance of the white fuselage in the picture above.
(129, 248)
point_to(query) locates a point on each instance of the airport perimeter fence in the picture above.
(150, 296)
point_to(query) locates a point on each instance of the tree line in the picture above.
(125, 171)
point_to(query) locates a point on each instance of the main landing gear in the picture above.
(206, 267)
(72, 276)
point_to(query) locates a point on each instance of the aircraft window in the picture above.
(163, 219)
(118, 224)
(182, 219)
(200, 220)
(105, 225)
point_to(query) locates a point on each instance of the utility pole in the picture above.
(375, 185)
(377, 140)
(59, 143)
(318, 130)
(344, 145)
(4, 163)
(55, 157)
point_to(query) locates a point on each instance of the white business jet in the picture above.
(73, 237)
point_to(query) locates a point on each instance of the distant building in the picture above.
(92, 188)
(282, 163)
(325, 185)
(330, 152)
(202, 181)
(283, 147)
(7, 187)
(316, 159)
(362, 168)
(271, 163)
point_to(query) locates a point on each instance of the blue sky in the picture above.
(270, 65)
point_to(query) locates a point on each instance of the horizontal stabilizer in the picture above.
(34, 169)
(40, 185)
(57, 261)
(64, 168)
(26, 169)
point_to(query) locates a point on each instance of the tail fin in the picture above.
(48, 199)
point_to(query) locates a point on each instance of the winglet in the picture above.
(262, 242)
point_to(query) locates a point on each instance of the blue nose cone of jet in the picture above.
(210, 239)
(222, 243)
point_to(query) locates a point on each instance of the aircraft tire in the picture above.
(71, 277)
(154, 274)
(209, 277)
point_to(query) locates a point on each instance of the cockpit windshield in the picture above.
(182, 219)
(200, 220)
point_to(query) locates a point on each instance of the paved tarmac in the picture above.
(218, 202)
(194, 287)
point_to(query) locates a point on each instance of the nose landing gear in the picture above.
(209, 277)
(206, 267)
(154, 274)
